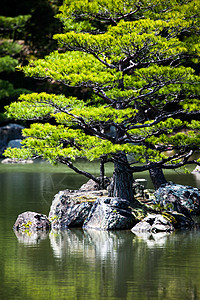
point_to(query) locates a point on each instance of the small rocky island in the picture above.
(164, 210)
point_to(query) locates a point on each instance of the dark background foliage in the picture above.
(36, 39)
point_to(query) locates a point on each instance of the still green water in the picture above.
(80, 264)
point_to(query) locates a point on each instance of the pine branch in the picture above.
(67, 162)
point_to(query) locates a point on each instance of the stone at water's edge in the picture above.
(176, 197)
(196, 170)
(154, 223)
(71, 208)
(110, 213)
(31, 221)
(91, 185)
(16, 161)
(94, 209)
(167, 222)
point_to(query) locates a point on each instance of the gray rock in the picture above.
(158, 227)
(180, 198)
(92, 209)
(31, 221)
(154, 223)
(142, 226)
(196, 170)
(139, 186)
(8, 133)
(71, 208)
(110, 213)
(15, 143)
(16, 161)
(91, 185)
(142, 182)
(167, 222)
(181, 221)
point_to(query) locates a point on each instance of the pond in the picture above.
(88, 264)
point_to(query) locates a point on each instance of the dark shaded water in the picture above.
(80, 264)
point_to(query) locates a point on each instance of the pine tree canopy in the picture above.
(139, 63)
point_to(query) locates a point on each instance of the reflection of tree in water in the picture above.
(120, 256)
(109, 252)
(51, 184)
(121, 265)
(91, 244)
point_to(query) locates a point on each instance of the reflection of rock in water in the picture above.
(70, 241)
(31, 238)
(111, 252)
(91, 244)
(153, 239)
(106, 243)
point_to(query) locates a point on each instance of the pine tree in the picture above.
(10, 49)
(138, 62)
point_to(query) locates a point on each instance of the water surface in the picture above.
(88, 264)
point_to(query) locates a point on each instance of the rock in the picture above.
(196, 170)
(141, 181)
(142, 226)
(16, 161)
(8, 133)
(167, 222)
(180, 198)
(154, 223)
(138, 189)
(71, 208)
(15, 143)
(91, 185)
(31, 221)
(179, 220)
(110, 213)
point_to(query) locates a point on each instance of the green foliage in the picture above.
(55, 67)
(7, 90)
(98, 14)
(8, 48)
(13, 25)
(14, 22)
(135, 61)
(8, 64)
(10, 54)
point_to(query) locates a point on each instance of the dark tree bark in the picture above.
(122, 179)
(102, 174)
(157, 177)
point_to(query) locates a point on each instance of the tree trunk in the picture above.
(102, 174)
(157, 177)
(122, 179)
